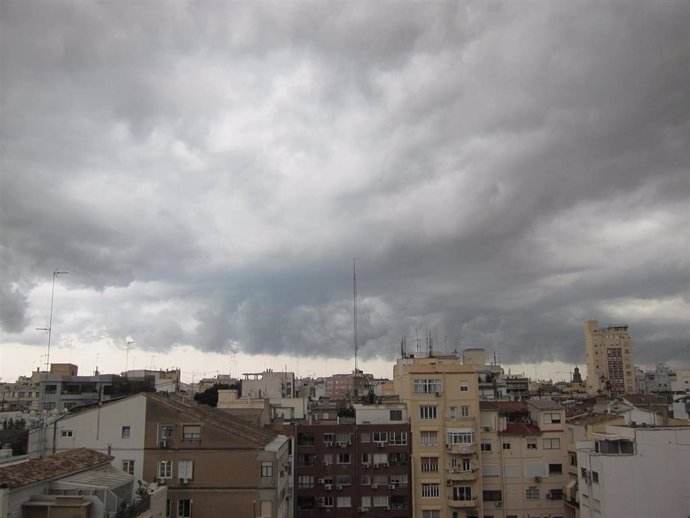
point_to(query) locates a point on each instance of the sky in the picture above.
(206, 172)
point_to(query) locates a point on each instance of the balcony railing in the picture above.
(463, 504)
(460, 474)
(462, 448)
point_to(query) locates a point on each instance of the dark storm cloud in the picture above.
(206, 172)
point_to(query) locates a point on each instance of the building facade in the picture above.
(355, 466)
(442, 398)
(636, 472)
(610, 360)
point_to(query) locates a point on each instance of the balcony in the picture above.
(462, 448)
(459, 475)
(462, 504)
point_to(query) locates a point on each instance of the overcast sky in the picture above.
(206, 172)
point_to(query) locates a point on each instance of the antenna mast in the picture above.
(354, 305)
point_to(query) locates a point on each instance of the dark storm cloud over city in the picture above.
(206, 172)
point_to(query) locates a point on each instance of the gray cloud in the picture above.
(206, 172)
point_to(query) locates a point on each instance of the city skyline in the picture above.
(207, 172)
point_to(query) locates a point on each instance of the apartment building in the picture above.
(635, 472)
(523, 458)
(355, 466)
(442, 397)
(21, 395)
(268, 384)
(208, 460)
(610, 360)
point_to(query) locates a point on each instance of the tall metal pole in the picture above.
(42, 399)
(354, 306)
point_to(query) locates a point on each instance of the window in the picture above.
(344, 501)
(492, 496)
(398, 459)
(552, 418)
(67, 433)
(343, 458)
(427, 412)
(128, 466)
(397, 438)
(191, 432)
(486, 445)
(305, 481)
(451, 413)
(429, 463)
(532, 493)
(166, 432)
(266, 469)
(380, 501)
(429, 438)
(184, 508)
(427, 386)
(380, 458)
(462, 493)
(552, 444)
(305, 459)
(343, 439)
(461, 436)
(555, 469)
(506, 445)
(327, 501)
(126, 431)
(431, 514)
(164, 469)
(399, 479)
(465, 411)
(396, 415)
(328, 459)
(365, 480)
(595, 477)
(380, 436)
(366, 501)
(556, 494)
(168, 508)
(531, 444)
(464, 386)
(305, 439)
(365, 437)
(328, 438)
(185, 469)
(430, 490)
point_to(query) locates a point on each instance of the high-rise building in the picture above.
(609, 352)
(442, 397)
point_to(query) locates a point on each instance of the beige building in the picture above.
(523, 458)
(609, 354)
(442, 399)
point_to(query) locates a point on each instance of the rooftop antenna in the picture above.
(354, 305)
(129, 345)
(49, 330)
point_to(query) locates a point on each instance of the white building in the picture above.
(103, 431)
(636, 472)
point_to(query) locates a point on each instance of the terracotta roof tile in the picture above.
(54, 466)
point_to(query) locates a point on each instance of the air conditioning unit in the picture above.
(537, 479)
(366, 465)
(438, 394)
(386, 465)
(184, 481)
(163, 444)
(161, 481)
(374, 486)
(380, 444)
(392, 486)
(376, 466)
(339, 488)
(449, 482)
(328, 487)
(343, 444)
(328, 444)
(486, 428)
(449, 446)
(320, 481)
(498, 504)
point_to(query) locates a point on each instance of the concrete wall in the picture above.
(100, 428)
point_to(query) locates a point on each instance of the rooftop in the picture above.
(59, 465)
(545, 404)
(504, 406)
(520, 429)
